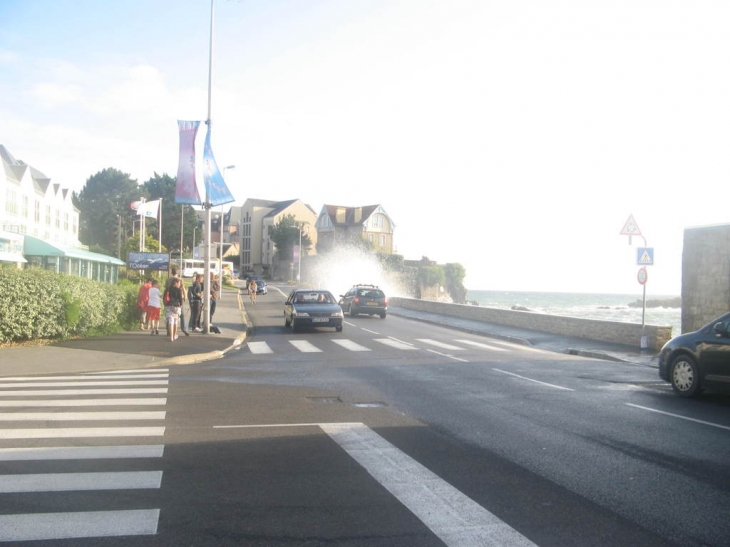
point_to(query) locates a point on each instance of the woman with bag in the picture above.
(173, 306)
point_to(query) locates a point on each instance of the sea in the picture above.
(606, 307)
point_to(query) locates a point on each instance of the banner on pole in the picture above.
(186, 190)
(217, 192)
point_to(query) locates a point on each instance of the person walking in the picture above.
(142, 299)
(214, 288)
(252, 288)
(173, 305)
(170, 280)
(154, 303)
(195, 298)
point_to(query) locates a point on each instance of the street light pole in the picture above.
(221, 226)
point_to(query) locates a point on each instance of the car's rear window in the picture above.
(371, 293)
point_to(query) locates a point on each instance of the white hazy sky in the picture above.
(514, 137)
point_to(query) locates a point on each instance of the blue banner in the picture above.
(216, 191)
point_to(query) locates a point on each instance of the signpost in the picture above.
(644, 257)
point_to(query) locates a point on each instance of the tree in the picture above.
(163, 187)
(455, 274)
(105, 198)
(286, 236)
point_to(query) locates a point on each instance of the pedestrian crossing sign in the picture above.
(645, 256)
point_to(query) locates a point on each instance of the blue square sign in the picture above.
(645, 256)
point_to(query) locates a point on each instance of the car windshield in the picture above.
(314, 297)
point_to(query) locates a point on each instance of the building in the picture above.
(39, 225)
(256, 216)
(337, 226)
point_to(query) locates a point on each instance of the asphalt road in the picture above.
(391, 433)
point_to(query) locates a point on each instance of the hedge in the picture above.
(39, 304)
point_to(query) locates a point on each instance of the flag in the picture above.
(216, 191)
(149, 208)
(186, 191)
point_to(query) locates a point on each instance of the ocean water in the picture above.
(607, 307)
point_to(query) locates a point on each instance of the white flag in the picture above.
(149, 208)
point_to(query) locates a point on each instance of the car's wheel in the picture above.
(685, 376)
(286, 321)
(339, 328)
(352, 313)
(294, 325)
(382, 315)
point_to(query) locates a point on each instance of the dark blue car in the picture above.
(698, 360)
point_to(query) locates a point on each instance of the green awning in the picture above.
(38, 247)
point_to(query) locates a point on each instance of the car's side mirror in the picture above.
(719, 329)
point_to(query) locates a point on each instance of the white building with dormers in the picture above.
(39, 224)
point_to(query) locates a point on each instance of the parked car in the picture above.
(698, 360)
(366, 300)
(261, 287)
(312, 308)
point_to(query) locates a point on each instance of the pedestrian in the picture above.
(173, 305)
(252, 288)
(214, 288)
(173, 276)
(154, 303)
(142, 298)
(195, 298)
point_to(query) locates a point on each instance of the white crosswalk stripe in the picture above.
(480, 345)
(397, 344)
(259, 347)
(304, 346)
(22, 401)
(350, 345)
(438, 344)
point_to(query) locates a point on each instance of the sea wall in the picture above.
(615, 332)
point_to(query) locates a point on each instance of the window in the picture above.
(58, 219)
(37, 212)
(10, 204)
(65, 222)
(25, 206)
(48, 215)
(382, 240)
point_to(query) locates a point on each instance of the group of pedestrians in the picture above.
(150, 301)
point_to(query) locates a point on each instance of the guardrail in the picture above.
(614, 332)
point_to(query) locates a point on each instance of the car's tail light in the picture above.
(356, 300)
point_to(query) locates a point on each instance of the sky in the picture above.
(515, 137)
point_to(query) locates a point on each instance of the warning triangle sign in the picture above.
(631, 228)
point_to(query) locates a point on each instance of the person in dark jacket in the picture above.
(195, 298)
(173, 305)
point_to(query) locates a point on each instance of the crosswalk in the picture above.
(50, 423)
(373, 344)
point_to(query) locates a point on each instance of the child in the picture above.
(154, 303)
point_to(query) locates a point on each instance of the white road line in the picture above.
(455, 518)
(531, 380)
(680, 417)
(88, 383)
(396, 343)
(59, 392)
(69, 482)
(81, 452)
(438, 344)
(482, 346)
(79, 416)
(259, 347)
(85, 402)
(145, 370)
(40, 526)
(370, 331)
(304, 346)
(447, 355)
(79, 377)
(350, 345)
(81, 432)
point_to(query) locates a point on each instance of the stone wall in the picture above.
(705, 275)
(614, 332)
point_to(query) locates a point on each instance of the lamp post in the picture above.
(221, 225)
(299, 255)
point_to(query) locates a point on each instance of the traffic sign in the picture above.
(645, 256)
(630, 228)
(642, 276)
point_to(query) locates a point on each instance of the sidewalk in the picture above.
(138, 349)
(132, 349)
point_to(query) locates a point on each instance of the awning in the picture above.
(38, 247)
(11, 257)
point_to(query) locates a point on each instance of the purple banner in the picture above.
(186, 190)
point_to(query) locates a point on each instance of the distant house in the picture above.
(256, 216)
(39, 225)
(337, 225)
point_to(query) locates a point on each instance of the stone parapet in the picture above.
(614, 332)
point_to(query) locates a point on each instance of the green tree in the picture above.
(286, 236)
(431, 275)
(163, 187)
(454, 282)
(103, 201)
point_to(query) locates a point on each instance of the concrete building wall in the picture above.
(705, 275)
